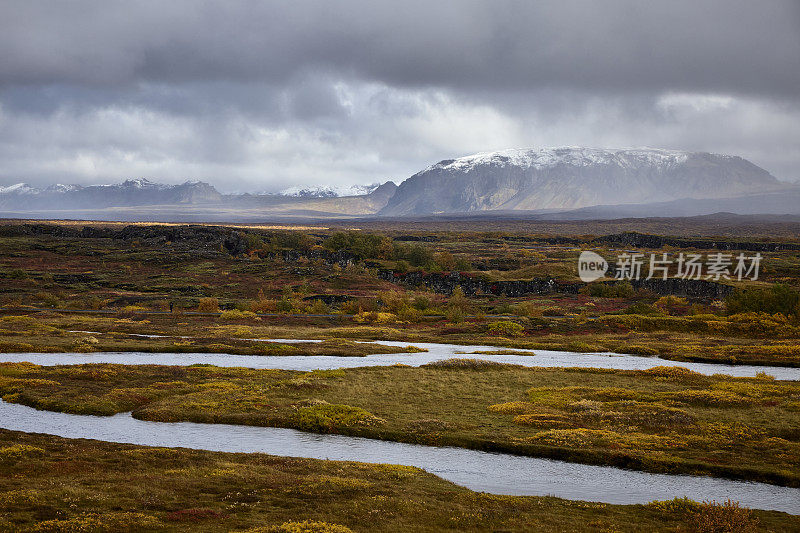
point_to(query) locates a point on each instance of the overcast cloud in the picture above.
(258, 96)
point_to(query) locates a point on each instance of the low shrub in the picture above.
(208, 305)
(726, 517)
(19, 451)
(308, 526)
(15, 347)
(526, 309)
(235, 314)
(637, 349)
(682, 505)
(113, 521)
(583, 347)
(511, 408)
(586, 405)
(263, 305)
(421, 302)
(576, 438)
(409, 314)
(375, 317)
(672, 305)
(713, 398)
(622, 289)
(542, 420)
(468, 364)
(672, 372)
(17, 273)
(18, 499)
(778, 299)
(506, 328)
(329, 417)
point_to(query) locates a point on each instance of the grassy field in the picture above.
(665, 419)
(85, 287)
(285, 273)
(53, 484)
(24, 333)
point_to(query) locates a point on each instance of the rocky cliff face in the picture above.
(561, 178)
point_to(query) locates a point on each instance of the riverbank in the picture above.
(667, 419)
(241, 333)
(56, 483)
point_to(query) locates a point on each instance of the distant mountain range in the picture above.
(569, 178)
(144, 192)
(128, 193)
(141, 199)
(550, 183)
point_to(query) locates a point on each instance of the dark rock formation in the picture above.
(641, 240)
(446, 283)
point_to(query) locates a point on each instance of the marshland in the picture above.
(367, 333)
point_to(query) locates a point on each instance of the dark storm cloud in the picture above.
(259, 95)
(730, 46)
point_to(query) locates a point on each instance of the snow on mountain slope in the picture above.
(574, 177)
(18, 188)
(329, 191)
(569, 155)
(131, 192)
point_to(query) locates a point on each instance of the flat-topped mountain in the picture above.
(568, 178)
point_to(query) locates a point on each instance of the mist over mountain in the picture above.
(142, 200)
(570, 178)
(552, 183)
(128, 193)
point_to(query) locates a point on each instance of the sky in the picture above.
(257, 96)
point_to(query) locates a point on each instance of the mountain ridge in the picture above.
(565, 182)
(574, 177)
(136, 198)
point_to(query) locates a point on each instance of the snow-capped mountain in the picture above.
(18, 188)
(329, 191)
(574, 177)
(570, 155)
(143, 183)
(62, 188)
(131, 192)
(102, 200)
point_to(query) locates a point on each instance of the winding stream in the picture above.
(480, 471)
(436, 352)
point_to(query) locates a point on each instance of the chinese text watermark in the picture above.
(715, 266)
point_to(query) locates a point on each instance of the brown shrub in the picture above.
(727, 517)
(208, 305)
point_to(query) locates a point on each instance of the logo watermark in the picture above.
(633, 266)
(591, 266)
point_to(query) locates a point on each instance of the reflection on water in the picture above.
(436, 352)
(480, 471)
